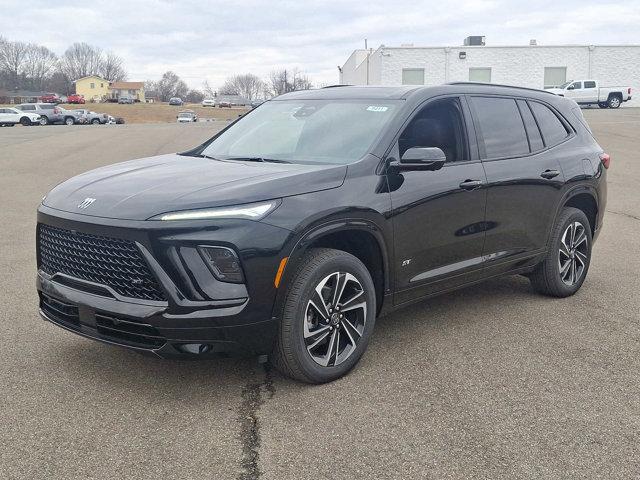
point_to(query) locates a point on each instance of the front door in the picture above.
(438, 216)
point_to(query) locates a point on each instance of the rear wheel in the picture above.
(565, 267)
(95, 121)
(614, 101)
(327, 319)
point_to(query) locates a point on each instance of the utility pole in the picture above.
(367, 49)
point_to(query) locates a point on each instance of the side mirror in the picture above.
(421, 158)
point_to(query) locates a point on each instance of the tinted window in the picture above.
(553, 130)
(589, 84)
(47, 107)
(577, 85)
(28, 107)
(533, 133)
(501, 126)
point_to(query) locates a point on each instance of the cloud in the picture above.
(214, 39)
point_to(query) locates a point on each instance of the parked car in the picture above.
(49, 98)
(187, 116)
(176, 101)
(114, 120)
(209, 102)
(73, 117)
(93, 117)
(10, 116)
(589, 92)
(77, 99)
(290, 231)
(125, 100)
(49, 113)
(224, 104)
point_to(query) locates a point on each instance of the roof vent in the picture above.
(474, 40)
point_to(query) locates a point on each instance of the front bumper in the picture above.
(191, 321)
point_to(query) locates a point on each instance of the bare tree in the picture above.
(170, 85)
(112, 68)
(283, 81)
(208, 91)
(81, 60)
(247, 85)
(195, 96)
(39, 65)
(13, 57)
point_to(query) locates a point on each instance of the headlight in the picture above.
(250, 211)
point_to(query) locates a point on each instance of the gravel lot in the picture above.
(488, 382)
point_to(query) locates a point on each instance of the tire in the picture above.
(44, 120)
(69, 121)
(304, 346)
(95, 121)
(603, 105)
(614, 101)
(25, 122)
(565, 267)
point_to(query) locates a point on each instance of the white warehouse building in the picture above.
(534, 66)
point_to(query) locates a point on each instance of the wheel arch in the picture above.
(361, 238)
(584, 198)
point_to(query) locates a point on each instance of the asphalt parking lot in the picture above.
(489, 382)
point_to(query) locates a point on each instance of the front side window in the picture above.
(440, 124)
(306, 131)
(28, 107)
(413, 76)
(553, 130)
(577, 85)
(501, 126)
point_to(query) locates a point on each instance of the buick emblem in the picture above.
(86, 202)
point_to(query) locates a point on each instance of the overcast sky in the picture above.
(201, 39)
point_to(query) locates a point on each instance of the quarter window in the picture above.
(413, 76)
(533, 132)
(501, 126)
(553, 130)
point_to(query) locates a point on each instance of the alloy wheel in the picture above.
(334, 319)
(573, 253)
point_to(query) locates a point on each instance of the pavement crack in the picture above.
(252, 400)
(628, 215)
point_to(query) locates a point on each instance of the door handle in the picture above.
(471, 184)
(549, 174)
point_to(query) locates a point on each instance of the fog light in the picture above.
(223, 263)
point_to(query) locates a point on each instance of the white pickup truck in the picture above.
(589, 92)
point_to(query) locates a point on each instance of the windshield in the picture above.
(306, 131)
(565, 85)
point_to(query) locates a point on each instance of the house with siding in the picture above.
(133, 90)
(92, 88)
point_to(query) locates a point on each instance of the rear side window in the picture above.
(589, 84)
(27, 107)
(553, 130)
(501, 126)
(533, 132)
(47, 107)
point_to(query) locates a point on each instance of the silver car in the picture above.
(93, 117)
(49, 113)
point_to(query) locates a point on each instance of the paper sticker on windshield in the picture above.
(377, 108)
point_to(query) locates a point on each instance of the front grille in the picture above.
(112, 262)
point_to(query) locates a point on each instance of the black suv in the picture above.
(292, 229)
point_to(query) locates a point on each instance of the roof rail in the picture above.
(338, 85)
(500, 85)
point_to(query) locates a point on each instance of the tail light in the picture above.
(605, 158)
(629, 91)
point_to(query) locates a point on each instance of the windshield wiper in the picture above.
(202, 155)
(257, 159)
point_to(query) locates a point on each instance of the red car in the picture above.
(75, 98)
(50, 98)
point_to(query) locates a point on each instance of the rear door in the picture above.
(589, 91)
(524, 178)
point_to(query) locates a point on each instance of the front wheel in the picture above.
(95, 121)
(565, 267)
(25, 122)
(69, 121)
(327, 319)
(44, 120)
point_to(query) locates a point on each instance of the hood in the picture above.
(556, 91)
(140, 189)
